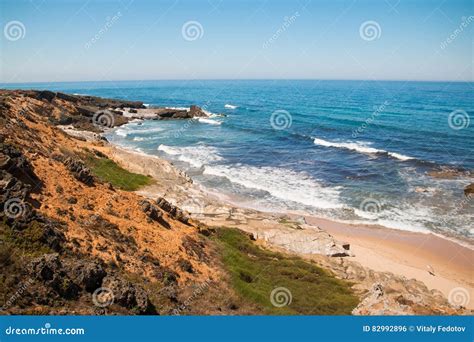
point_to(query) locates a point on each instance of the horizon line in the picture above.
(240, 79)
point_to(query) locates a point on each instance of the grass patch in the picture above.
(108, 171)
(256, 272)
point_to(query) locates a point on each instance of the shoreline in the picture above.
(410, 255)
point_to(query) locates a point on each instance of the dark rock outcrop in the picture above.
(173, 210)
(150, 210)
(169, 113)
(79, 171)
(469, 190)
(128, 295)
(49, 269)
(88, 274)
(196, 111)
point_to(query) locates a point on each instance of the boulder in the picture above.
(128, 295)
(87, 111)
(196, 111)
(79, 171)
(469, 190)
(49, 269)
(87, 274)
(45, 95)
(173, 210)
(150, 210)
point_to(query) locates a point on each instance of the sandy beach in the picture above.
(438, 263)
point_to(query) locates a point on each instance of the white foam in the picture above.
(142, 138)
(196, 156)
(281, 183)
(124, 132)
(178, 108)
(361, 147)
(229, 106)
(209, 121)
(121, 132)
(146, 105)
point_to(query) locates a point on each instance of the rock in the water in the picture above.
(196, 111)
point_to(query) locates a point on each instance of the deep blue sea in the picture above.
(357, 151)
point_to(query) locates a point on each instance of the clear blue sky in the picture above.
(321, 41)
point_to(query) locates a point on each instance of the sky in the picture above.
(85, 40)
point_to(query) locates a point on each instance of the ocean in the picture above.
(353, 151)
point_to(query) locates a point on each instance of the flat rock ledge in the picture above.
(305, 240)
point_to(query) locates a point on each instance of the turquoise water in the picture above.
(348, 150)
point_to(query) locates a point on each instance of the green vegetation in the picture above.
(108, 171)
(256, 272)
(28, 242)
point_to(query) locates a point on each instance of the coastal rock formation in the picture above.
(62, 240)
(445, 172)
(173, 210)
(128, 295)
(79, 171)
(469, 190)
(306, 240)
(169, 113)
